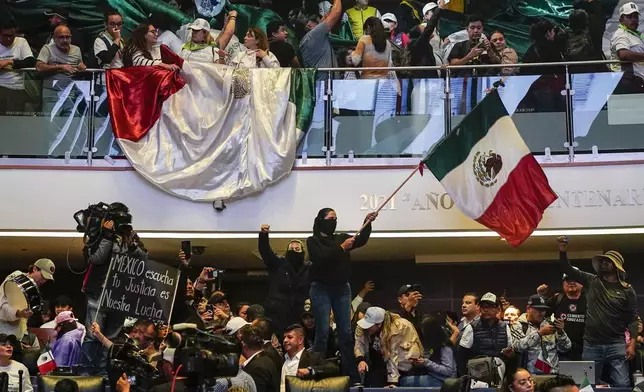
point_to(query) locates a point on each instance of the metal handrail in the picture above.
(435, 68)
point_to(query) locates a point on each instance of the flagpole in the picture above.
(382, 205)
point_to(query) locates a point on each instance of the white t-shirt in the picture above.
(205, 55)
(100, 46)
(14, 378)
(170, 39)
(624, 39)
(467, 338)
(248, 59)
(19, 50)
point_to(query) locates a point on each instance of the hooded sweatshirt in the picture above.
(66, 350)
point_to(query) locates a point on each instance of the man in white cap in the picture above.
(396, 35)
(611, 311)
(399, 345)
(486, 336)
(428, 10)
(235, 326)
(627, 44)
(13, 321)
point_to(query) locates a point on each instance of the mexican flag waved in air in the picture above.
(489, 172)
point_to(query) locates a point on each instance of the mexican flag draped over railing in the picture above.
(210, 132)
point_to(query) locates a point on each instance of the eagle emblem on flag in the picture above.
(486, 166)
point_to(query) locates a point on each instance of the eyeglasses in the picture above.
(112, 24)
(155, 31)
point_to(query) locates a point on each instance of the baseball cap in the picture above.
(374, 315)
(408, 288)
(629, 8)
(47, 268)
(567, 278)
(489, 298)
(538, 301)
(63, 300)
(62, 12)
(65, 316)
(428, 7)
(235, 324)
(217, 299)
(199, 24)
(389, 17)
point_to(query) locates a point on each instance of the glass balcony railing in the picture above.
(403, 116)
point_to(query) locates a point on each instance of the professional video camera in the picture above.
(205, 357)
(90, 220)
(126, 358)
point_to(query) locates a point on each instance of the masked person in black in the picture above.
(330, 289)
(289, 281)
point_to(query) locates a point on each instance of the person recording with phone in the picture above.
(473, 51)
(330, 255)
(114, 238)
(538, 339)
(409, 295)
(289, 280)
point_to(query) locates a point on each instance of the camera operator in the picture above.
(114, 239)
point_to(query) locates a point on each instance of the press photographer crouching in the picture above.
(108, 231)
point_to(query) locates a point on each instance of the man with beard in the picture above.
(570, 306)
(612, 310)
(289, 281)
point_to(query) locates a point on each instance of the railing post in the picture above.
(447, 99)
(570, 125)
(90, 119)
(328, 119)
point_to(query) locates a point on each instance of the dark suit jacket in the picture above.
(272, 353)
(321, 367)
(263, 371)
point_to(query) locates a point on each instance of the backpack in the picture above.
(484, 369)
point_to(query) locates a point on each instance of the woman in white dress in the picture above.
(256, 54)
(203, 47)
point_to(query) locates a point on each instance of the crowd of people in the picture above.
(406, 37)
(310, 327)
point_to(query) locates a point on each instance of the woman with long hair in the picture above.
(373, 50)
(330, 290)
(256, 54)
(203, 47)
(142, 49)
(399, 347)
(438, 358)
(500, 53)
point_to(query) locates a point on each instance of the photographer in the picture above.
(408, 297)
(116, 236)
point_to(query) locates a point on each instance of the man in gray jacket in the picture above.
(539, 340)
